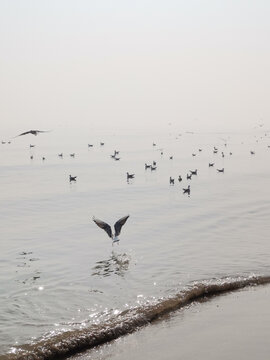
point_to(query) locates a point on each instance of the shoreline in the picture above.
(234, 325)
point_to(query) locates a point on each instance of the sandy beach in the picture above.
(231, 326)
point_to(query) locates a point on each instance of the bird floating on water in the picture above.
(187, 190)
(117, 227)
(221, 170)
(33, 132)
(130, 176)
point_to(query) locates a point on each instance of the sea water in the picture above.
(60, 274)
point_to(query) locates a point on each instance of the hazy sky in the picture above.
(196, 63)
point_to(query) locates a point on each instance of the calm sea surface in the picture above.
(60, 272)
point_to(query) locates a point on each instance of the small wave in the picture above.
(72, 342)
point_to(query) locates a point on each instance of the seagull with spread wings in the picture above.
(33, 132)
(117, 227)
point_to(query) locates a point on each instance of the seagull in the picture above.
(33, 132)
(187, 190)
(189, 176)
(193, 172)
(117, 227)
(146, 166)
(211, 164)
(72, 178)
(130, 176)
(171, 181)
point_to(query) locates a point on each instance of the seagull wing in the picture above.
(118, 225)
(41, 131)
(103, 226)
(24, 133)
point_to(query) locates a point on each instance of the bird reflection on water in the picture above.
(25, 272)
(117, 264)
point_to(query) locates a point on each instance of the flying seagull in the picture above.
(33, 132)
(117, 227)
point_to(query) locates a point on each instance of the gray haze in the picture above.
(200, 65)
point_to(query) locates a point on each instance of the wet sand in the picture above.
(235, 325)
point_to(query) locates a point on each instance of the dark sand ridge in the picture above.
(233, 326)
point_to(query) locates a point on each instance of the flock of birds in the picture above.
(152, 167)
(103, 225)
(189, 175)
